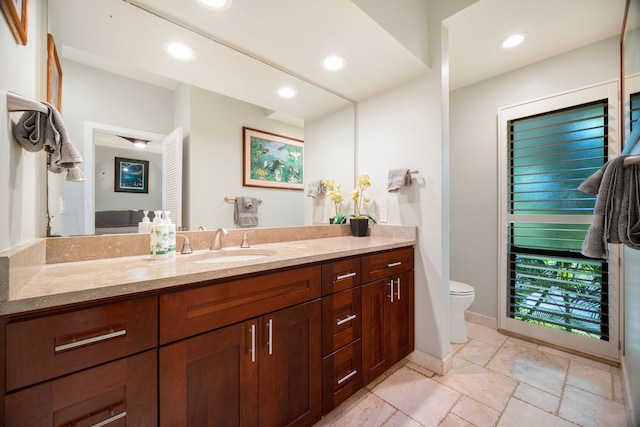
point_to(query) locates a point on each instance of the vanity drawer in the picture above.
(342, 375)
(46, 347)
(385, 264)
(118, 393)
(341, 319)
(193, 311)
(340, 275)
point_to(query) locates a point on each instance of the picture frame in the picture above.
(271, 160)
(16, 13)
(54, 74)
(131, 175)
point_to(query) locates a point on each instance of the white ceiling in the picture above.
(294, 36)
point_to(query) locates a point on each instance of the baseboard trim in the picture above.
(432, 363)
(626, 391)
(481, 319)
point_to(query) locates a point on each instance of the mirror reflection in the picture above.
(114, 78)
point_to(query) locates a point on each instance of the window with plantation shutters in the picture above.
(548, 284)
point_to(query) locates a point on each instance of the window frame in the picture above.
(607, 349)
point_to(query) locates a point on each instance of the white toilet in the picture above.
(461, 296)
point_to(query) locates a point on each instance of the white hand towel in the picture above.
(398, 178)
(244, 216)
(315, 188)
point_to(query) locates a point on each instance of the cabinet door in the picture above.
(291, 366)
(401, 330)
(375, 329)
(211, 379)
(115, 394)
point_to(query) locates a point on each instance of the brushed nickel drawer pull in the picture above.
(346, 377)
(253, 343)
(270, 342)
(90, 340)
(345, 276)
(394, 264)
(391, 290)
(345, 320)
(398, 289)
(110, 419)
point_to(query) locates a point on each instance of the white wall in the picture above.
(631, 357)
(93, 95)
(407, 128)
(329, 153)
(108, 199)
(474, 167)
(215, 164)
(22, 174)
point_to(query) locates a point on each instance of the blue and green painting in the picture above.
(275, 161)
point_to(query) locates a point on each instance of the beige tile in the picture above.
(475, 412)
(618, 391)
(484, 334)
(419, 397)
(453, 420)
(420, 369)
(520, 414)
(590, 410)
(520, 342)
(484, 385)
(478, 352)
(532, 366)
(595, 379)
(363, 408)
(400, 419)
(537, 397)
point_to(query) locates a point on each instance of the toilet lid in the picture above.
(459, 288)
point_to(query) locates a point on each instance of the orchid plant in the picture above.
(358, 197)
(335, 194)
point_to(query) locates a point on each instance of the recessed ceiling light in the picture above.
(286, 92)
(180, 51)
(334, 62)
(512, 41)
(217, 4)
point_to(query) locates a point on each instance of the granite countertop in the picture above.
(82, 281)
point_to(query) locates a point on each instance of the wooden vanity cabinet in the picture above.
(387, 311)
(83, 367)
(264, 370)
(341, 331)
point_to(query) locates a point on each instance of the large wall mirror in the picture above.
(630, 70)
(119, 82)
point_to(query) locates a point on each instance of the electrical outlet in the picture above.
(61, 205)
(384, 217)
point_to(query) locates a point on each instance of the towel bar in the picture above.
(233, 199)
(17, 102)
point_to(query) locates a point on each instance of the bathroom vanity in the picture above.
(277, 335)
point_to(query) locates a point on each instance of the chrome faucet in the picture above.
(245, 240)
(186, 247)
(217, 240)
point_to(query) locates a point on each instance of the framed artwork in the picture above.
(54, 74)
(131, 176)
(272, 161)
(16, 13)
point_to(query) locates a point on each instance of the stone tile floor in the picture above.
(496, 380)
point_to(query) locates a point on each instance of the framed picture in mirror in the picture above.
(54, 74)
(131, 176)
(272, 161)
(16, 12)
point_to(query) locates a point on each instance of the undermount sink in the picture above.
(231, 256)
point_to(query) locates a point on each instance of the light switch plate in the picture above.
(384, 217)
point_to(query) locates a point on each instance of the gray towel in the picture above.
(315, 188)
(36, 131)
(245, 214)
(616, 216)
(398, 178)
